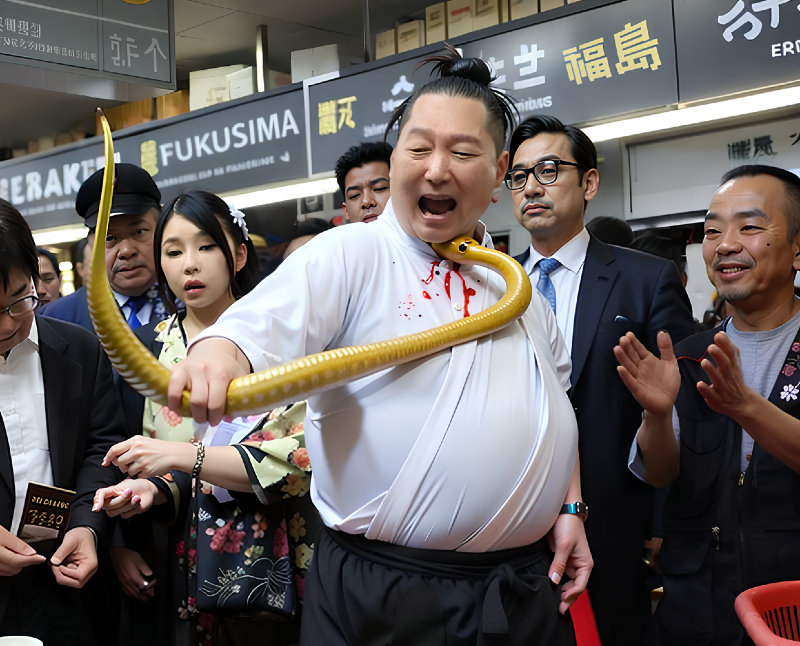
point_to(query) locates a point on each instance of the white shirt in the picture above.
(23, 411)
(367, 283)
(143, 314)
(566, 280)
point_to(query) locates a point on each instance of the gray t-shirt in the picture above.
(762, 355)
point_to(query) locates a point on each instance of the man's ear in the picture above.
(502, 168)
(591, 184)
(796, 252)
(346, 217)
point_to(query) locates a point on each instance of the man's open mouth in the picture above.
(436, 205)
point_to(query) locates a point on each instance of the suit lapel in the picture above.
(6, 469)
(62, 400)
(597, 280)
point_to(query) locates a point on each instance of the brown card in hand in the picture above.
(46, 513)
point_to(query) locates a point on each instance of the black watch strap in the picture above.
(579, 509)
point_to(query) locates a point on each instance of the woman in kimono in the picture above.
(205, 259)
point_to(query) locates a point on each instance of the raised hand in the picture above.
(653, 382)
(727, 393)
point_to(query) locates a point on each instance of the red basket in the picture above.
(771, 613)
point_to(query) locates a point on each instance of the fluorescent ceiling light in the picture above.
(694, 115)
(66, 265)
(59, 235)
(283, 193)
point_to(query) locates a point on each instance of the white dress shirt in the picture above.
(566, 280)
(143, 314)
(23, 411)
(471, 448)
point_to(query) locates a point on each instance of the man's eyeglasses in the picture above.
(545, 172)
(22, 306)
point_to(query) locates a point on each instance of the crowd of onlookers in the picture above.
(687, 430)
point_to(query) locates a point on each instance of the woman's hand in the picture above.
(145, 457)
(128, 498)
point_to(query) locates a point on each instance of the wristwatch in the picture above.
(579, 509)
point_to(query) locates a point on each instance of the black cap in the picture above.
(134, 193)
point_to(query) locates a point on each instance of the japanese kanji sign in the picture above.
(728, 46)
(603, 62)
(133, 40)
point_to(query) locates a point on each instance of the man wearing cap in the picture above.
(129, 248)
(131, 272)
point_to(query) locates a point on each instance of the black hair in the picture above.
(359, 156)
(81, 247)
(51, 257)
(212, 216)
(611, 230)
(312, 227)
(791, 186)
(17, 248)
(663, 246)
(581, 146)
(468, 78)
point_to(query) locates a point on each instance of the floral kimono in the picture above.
(279, 469)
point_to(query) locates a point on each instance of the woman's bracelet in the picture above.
(198, 465)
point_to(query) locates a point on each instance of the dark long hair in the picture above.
(211, 215)
(468, 78)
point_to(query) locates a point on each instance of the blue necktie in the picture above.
(136, 303)
(546, 267)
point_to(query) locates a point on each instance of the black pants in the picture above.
(59, 616)
(369, 593)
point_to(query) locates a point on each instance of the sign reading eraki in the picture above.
(128, 38)
(728, 46)
(604, 62)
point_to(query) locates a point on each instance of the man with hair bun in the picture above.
(444, 483)
(363, 177)
(722, 420)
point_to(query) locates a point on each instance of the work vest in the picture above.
(724, 531)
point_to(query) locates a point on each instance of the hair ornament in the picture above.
(238, 218)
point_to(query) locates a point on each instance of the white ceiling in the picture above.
(213, 33)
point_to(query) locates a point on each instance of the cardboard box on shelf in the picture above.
(242, 83)
(546, 5)
(173, 104)
(436, 23)
(460, 14)
(487, 14)
(522, 8)
(385, 44)
(209, 87)
(410, 35)
(316, 61)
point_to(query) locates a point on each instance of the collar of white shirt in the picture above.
(572, 255)
(32, 338)
(390, 218)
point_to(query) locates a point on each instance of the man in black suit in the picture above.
(129, 248)
(598, 293)
(59, 414)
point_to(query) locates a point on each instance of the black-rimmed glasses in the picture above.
(21, 307)
(545, 172)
